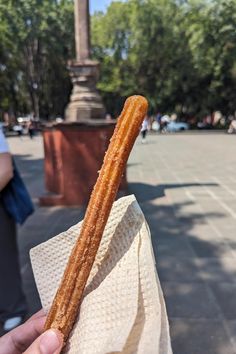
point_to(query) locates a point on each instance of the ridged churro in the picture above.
(65, 306)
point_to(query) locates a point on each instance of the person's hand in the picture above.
(30, 339)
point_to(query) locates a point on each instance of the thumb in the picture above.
(50, 342)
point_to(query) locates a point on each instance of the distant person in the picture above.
(158, 117)
(12, 299)
(173, 117)
(18, 129)
(232, 127)
(208, 121)
(216, 118)
(158, 122)
(165, 120)
(108, 117)
(144, 129)
(31, 129)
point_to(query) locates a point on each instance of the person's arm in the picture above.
(6, 169)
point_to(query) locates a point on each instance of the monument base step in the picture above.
(51, 199)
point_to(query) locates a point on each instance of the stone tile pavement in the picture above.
(186, 186)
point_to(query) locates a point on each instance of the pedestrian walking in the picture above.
(232, 127)
(12, 299)
(31, 129)
(144, 129)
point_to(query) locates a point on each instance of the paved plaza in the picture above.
(186, 186)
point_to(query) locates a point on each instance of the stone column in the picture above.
(85, 101)
(82, 28)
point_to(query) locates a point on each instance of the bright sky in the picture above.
(98, 5)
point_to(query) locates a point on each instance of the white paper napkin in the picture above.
(123, 309)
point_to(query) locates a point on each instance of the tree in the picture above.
(38, 41)
(141, 52)
(180, 54)
(110, 46)
(212, 41)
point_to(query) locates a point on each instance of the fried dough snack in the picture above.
(66, 303)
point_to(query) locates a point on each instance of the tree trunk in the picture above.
(32, 72)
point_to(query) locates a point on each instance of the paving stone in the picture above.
(190, 300)
(213, 248)
(231, 325)
(229, 226)
(174, 247)
(177, 269)
(225, 296)
(228, 234)
(30, 290)
(232, 244)
(189, 202)
(216, 270)
(200, 337)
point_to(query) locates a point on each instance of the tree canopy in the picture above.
(36, 40)
(181, 54)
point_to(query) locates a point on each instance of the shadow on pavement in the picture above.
(197, 270)
(197, 267)
(32, 171)
(148, 192)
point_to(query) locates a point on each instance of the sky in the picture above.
(98, 5)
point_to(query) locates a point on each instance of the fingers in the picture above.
(20, 338)
(28, 332)
(40, 313)
(50, 342)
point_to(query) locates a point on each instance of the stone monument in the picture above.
(85, 102)
(74, 150)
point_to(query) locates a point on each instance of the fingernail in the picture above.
(50, 342)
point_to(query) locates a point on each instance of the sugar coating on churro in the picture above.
(65, 306)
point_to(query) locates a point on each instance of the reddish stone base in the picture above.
(73, 156)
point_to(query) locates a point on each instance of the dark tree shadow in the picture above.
(196, 267)
(32, 172)
(147, 192)
(196, 270)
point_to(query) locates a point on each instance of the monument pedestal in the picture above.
(74, 154)
(85, 101)
(74, 150)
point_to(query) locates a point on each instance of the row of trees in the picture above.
(181, 54)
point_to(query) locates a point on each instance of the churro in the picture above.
(65, 306)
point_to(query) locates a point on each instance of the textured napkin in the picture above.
(123, 309)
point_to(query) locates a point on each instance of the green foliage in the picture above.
(36, 39)
(180, 54)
